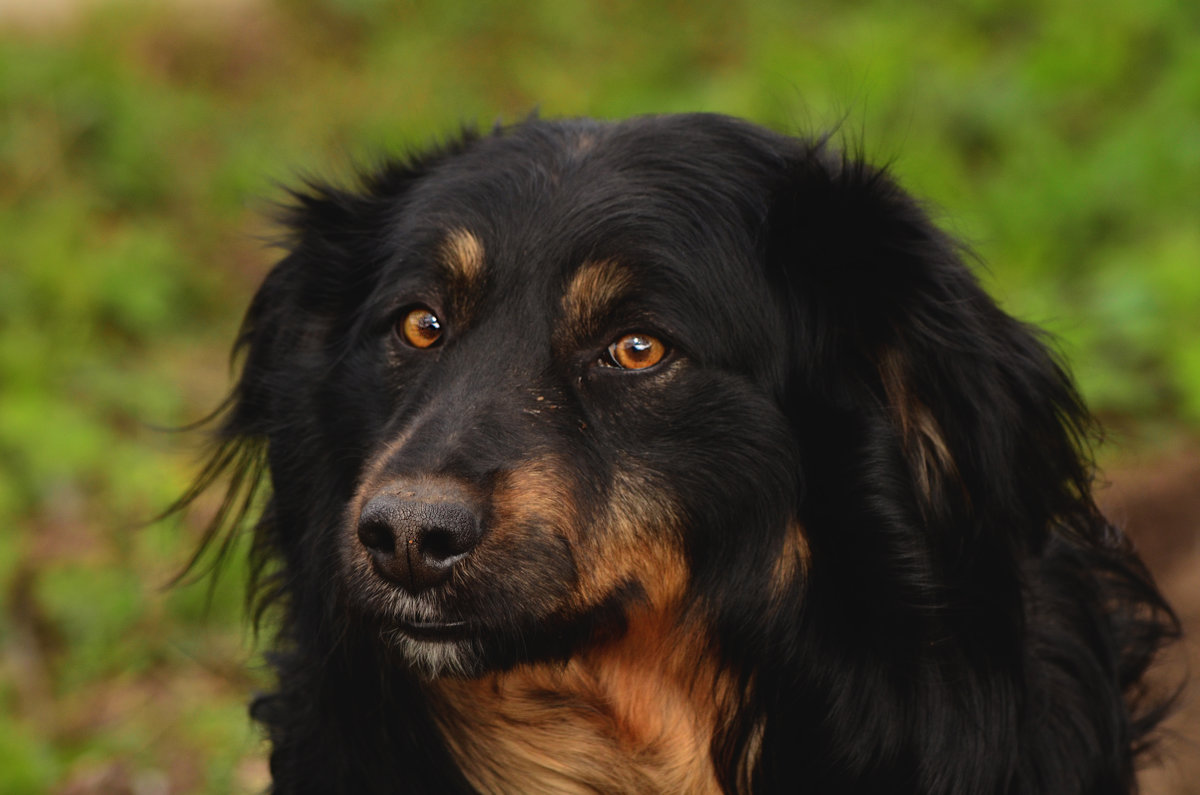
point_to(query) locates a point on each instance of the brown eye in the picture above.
(637, 351)
(420, 328)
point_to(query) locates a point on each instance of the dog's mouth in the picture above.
(435, 630)
(433, 648)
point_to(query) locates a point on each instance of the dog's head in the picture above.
(524, 388)
(542, 381)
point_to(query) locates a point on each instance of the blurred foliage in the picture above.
(139, 143)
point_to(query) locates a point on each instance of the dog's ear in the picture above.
(959, 565)
(908, 383)
(334, 242)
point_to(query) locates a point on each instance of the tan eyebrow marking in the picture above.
(594, 288)
(462, 256)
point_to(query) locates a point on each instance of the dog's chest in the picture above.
(622, 729)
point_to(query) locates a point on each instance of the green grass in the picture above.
(138, 146)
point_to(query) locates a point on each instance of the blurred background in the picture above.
(140, 145)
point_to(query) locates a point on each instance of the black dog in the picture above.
(671, 455)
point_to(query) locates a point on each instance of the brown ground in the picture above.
(1158, 503)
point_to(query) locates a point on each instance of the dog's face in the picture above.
(571, 357)
(546, 382)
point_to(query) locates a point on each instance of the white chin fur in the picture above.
(432, 658)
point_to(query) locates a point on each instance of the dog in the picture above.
(669, 455)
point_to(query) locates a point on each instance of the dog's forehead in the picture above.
(571, 176)
(585, 212)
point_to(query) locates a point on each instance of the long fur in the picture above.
(842, 540)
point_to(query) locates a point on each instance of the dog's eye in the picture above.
(636, 352)
(420, 327)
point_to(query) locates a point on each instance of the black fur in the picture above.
(966, 622)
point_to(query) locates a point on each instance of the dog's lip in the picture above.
(434, 630)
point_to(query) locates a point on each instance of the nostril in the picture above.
(439, 545)
(449, 532)
(377, 536)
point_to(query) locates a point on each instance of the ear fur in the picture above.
(961, 576)
(885, 314)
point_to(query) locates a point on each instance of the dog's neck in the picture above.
(637, 714)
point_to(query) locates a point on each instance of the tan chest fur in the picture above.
(635, 716)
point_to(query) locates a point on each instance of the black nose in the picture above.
(415, 543)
